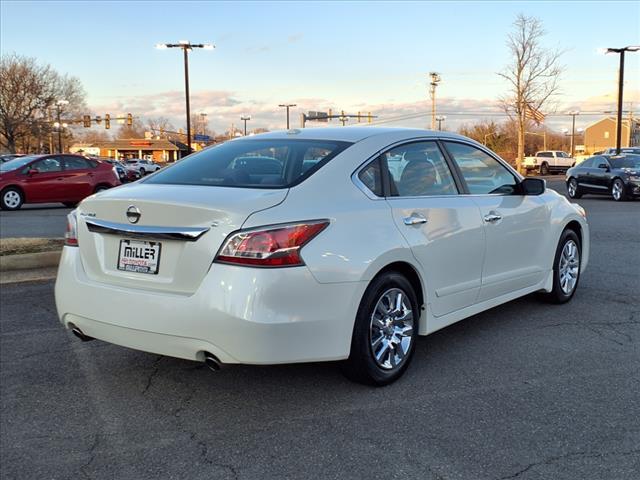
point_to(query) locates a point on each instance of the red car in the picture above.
(53, 178)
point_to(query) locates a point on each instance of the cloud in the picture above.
(296, 37)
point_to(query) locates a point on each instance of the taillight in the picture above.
(274, 246)
(71, 235)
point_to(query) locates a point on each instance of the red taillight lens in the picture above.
(270, 247)
(71, 235)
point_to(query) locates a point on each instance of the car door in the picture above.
(78, 178)
(601, 176)
(442, 227)
(582, 174)
(42, 180)
(515, 225)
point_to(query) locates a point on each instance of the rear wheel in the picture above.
(385, 331)
(572, 188)
(544, 169)
(566, 268)
(101, 188)
(142, 172)
(11, 199)
(617, 190)
(70, 204)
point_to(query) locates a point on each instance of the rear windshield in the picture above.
(269, 163)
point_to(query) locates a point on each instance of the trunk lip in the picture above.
(190, 234)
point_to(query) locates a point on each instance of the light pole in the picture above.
(245, 119)
(203, 121)
(58, 124)
(185, 45)
(573, 129)
(287, 106)
(440, 119)
(620, 51)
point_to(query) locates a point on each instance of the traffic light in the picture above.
(107, 121)
(86, 120)
(129, 119)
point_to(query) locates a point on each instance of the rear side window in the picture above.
(75, 163)
(545, 154)
(269, 163)
(371, 178)
(588, 163)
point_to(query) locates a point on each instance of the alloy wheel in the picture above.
(616, 190)
(569, 267)
(391, 329)
(572, 187)
(11, 199)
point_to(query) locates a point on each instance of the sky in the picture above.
(353, 56)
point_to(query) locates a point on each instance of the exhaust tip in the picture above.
(78, 333)
(212, 362)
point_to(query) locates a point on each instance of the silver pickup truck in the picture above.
(549, 161)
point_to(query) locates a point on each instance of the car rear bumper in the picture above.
(239, 314)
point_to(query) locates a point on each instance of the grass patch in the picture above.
(15, 246)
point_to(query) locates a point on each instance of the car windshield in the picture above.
(629, 161)
(272, 163)
(17, 163)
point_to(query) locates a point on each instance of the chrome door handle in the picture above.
(492, 217)
(414, 219)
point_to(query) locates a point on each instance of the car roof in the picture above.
(349, 134)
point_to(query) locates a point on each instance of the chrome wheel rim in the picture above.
(569, 267)
(11, 199)
(572, 188)
(391, 329)
(617, 190)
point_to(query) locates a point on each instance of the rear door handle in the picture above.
(492, 217)
(414, 219)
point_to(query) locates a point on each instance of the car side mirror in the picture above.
(533, 186)
(604, 166)
(32, 171)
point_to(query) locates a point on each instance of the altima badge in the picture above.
(133, 214)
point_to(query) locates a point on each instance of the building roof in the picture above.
(137, 144)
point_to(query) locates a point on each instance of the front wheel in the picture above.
(385, 331)
(142, 171)
(566, 268)
(617, 190)
(572, 189)
(11, 199)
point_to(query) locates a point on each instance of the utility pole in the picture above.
(440, 119)
(287, 106)
(244, 119)
(573, 130)
(435, 80)
(59, 105)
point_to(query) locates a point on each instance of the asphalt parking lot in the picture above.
(46, 220)
(524, 391)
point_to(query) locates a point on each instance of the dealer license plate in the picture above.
(138, 256)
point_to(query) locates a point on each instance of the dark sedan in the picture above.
(615, 175)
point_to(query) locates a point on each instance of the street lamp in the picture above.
(620, 51)
(59, 105)
(440, 119)
(185, 45)
(287, 105)
(245, 119)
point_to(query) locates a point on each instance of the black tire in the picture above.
(544, 169)
(11, 198)
(619, 195)
(573, 189)
(142, 172)
(558, 294)
(70, 204)
(362, 366)
(101, 188)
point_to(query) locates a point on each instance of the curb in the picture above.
(30, 261)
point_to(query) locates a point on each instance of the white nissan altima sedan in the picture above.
(315, 245)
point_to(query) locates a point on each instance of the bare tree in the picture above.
(135, 130)
(28, 94)
(159, 127)
(533, 75)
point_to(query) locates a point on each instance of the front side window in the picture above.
(482, 173)
(419, 169)
(268, 163)
(51, 164)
